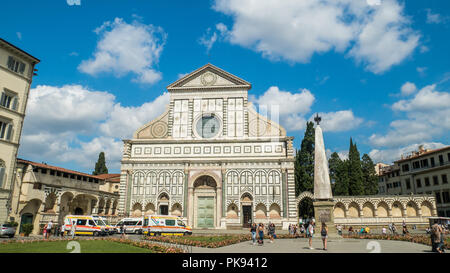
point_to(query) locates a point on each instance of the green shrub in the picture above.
(27, 229)
(13, 223)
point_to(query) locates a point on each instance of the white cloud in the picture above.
(123, 121)
(19, 35)
(377, 35)
(391, 155)
(408, 88)
(433, 18)
(208, 39)
(288, 107)
(338, 121)
(74, 124)
(127, 48)
(427, 117)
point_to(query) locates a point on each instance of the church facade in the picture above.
(210, 158)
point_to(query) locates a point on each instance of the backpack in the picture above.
(323, 232)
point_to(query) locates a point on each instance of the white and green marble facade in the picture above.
(249, 160)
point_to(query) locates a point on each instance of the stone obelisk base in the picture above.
(323, 212)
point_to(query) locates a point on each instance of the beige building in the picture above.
(420, 172)
(210, 158)
(43, 192)
(16, 73)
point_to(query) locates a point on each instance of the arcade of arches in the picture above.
(45, 193)
(375, 210)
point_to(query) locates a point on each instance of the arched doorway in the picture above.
(306, 208)
(163, 201)
(247, 209)
(26, 218)
(78, 211)
(205, 202)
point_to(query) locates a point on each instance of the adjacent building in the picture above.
(420, 172)
(44, 192)
(16, 73)
(210, 158)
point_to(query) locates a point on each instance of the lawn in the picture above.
(86, 246)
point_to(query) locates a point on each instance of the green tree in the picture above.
(369, 175)
(355, 172)
(100, 166)
(304, 162)
(338, 175)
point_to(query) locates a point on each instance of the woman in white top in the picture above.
(311, 233)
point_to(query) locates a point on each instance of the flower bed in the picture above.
(210, 241)
(148, 245)
(419, 239)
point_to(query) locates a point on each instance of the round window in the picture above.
(208, 126)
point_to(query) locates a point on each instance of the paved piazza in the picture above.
(334, 246)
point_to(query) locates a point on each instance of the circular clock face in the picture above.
(208, 126)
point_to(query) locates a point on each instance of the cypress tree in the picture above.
(338, 174)
(370, 177)
(304, 162)
(100, 166)
(355, 172)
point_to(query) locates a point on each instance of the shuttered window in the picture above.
(6, 130)
(16, 65)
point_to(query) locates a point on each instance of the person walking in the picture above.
(310, 233)
(436, 238)
(324, 234)
(73, 229)
(261, 234)
(44, 232)
(122, 231)
(253, 232)
(271, 232)
(63, 230)
(49, 228)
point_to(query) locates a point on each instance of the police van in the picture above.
(156, 225)
(85, 225)
(130, 225)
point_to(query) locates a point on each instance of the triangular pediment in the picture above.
(209, 76)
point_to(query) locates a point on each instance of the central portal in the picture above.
(205, 197)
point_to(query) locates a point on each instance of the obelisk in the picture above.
(323, 196)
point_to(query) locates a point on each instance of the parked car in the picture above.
(7, 230)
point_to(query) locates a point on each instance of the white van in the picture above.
(165, 225)
(102, 221)
(130, 225)
(85, 225)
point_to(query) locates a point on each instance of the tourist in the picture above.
(253, 232)
(350, 230)
(404, 231)
(44, 232)
(261, 234)
(271, 232)
(302, 229)
(295, 231)
(73, 229)
(436, 238)
(361, 231)
(339, 229)
(394, 229)
(383, 231)
(310, 233)
(122, 231)
(290, 230)
(324, 234)
(49, 228)
(63, 230)
(367, 230)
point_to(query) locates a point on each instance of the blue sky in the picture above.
(377, 70)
